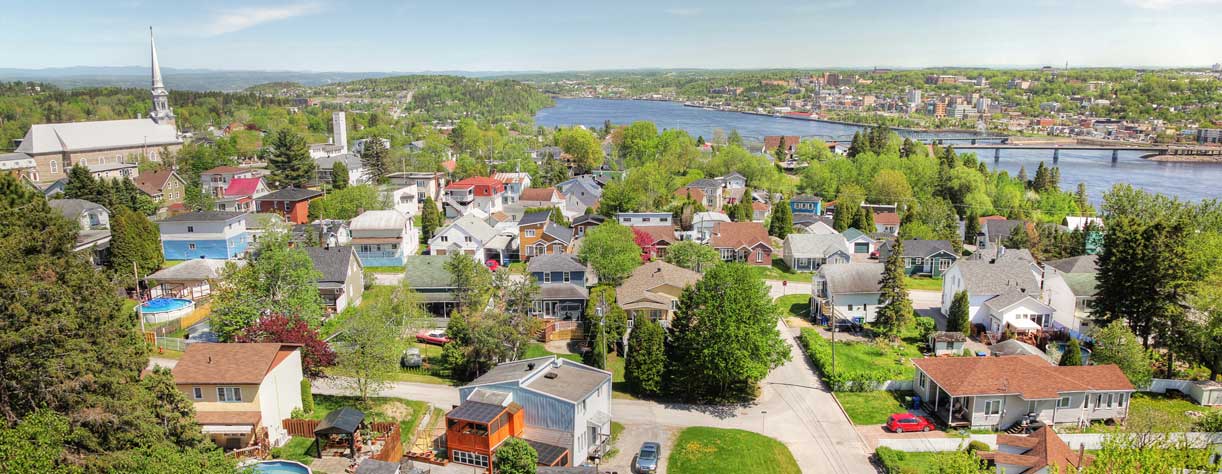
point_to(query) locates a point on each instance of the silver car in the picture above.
(647, 458)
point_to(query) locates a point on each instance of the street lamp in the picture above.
(764, 423)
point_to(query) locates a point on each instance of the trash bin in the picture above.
(916, 402)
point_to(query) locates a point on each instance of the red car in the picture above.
(433, 336)
(901, 422)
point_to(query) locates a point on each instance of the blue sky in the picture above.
(481, 35)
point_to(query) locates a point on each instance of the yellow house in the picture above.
(654, 289)
(242, 392)
(538, 235)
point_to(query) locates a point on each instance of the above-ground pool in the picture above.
(281, 467)
(159, 310)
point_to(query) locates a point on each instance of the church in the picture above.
(108, 148)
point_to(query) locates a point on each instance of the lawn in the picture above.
(369, 297)
(870, 408)
(517, 268)
(1173, 408)
(797, 306)
(780, 271)
(878, 356)
(703, 450)
(537, 349)
(295, 450)
(910, 462)
(129, 306)
(388, 269)
(923, 283)
(407, 412)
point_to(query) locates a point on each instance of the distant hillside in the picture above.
(194, 79)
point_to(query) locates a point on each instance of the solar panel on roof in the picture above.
(476, 412)
(548, 454)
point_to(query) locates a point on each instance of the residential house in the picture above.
(240, 195)
(22, 164)
(514, 184)
(383, 238)
(759, 211)
(562, 286)
(660, 238)
(215, 180)
(482, 193)
(192, 279)
(923, 257)
(634, 219)
(343, 277)
(402, 198)
(808, 252)
(292, 203)
(428, 277)
(1071, 284)
(580, 193)
(733, 181)
(653, 290)
(560, 407)
(467, 235)
(260, 223)
(163, 185)
(1001, 292)
(861, 243)
(946, 343)
(806, 204)
(818, 226)
(321, 233)
(787, 143)
(241, 391)
(994, 231)
(538, 235)
(703, 224)
(324, 169)
(428, 185)
(93, 222)
(851, 291)
(544, 197)
(999, 392)
(887, 223)
(1040, 452)
(711, 190)
(585, 222)
(746, 242)
(204, 234)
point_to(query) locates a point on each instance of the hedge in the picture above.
(820, 351)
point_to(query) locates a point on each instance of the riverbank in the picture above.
(1186, 158)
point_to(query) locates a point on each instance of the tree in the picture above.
(1019, 238)
(741, 212)
(619, 197)
(339, 175)
(645, 241)
(959, 462)
(472, 282)
(646, 362)
(692, 255)
(890, 187)
(347, 203)
(781, 224)
(895, 314)
(315, 353)
(307, 396)
(516, 456)
(171, 409)
(1116, 344)
(370, 357)
(82, 185)
(134, 240)
(728, 307)
(971, 227)
(583, 148)
(638, 143)
(289, 159)
(864, 220)
(959, 319)
(610, 249)
(735, 139)
(1141, 276)
(1073, 354)
(374, 159)
(278, 279)
(34, 445)
(552, 171)
(430, 219)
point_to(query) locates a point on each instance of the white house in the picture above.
(428, 184)
(808, 252)
(859, 242)
(514, 184)
(403, 198)
(704, 222)
(851, 288)
(633, 219)
(468, 234)
(1002, 291)
(383, 238)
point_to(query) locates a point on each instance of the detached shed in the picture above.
(947, 343)
(342, 423)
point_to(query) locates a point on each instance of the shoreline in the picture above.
(1207, 159)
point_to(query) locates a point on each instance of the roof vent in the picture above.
(209, 359)
(550, 375)
(530, 366)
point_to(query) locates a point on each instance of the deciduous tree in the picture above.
(1116, 344)
(278, 279)
(516, 456)
(316, 354)
(692, 256)
(610, 249)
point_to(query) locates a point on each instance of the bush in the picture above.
(926, 326)
(820, 351)
(891, 460)
(975, 446)
(1211, 422)
(968, 353)
(307, 397)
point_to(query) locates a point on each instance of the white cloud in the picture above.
(243, 18)
(684, 11)
(1164, 4)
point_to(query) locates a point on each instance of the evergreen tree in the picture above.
(1083, 201)
(844, 217)
(430, 219)
(735, 139)
(959, 319)
(289, 159)
(596, 356)
(895, 314)
(134, 239)
(1022, 176)
(863, 220)
(857, 146)
(1042, 178)
(82, 185)
(339, 175)
(374, 160)
(1073, 354)
(1019, 238)
(781, 224)
(699, 141)
(971, 227)
(646, 358)
(741, 212)
(908, 148)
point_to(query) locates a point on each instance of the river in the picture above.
(1189, 181)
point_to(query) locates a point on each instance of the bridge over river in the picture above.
(1055, 148)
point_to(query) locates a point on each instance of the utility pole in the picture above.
(602, 326)
(832, 302)
(136, 276)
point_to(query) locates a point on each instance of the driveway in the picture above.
(777, 290)
(387, 279)
(928, 303)
(874, 433)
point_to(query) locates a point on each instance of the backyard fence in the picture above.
(305, 428)
(1206, 393)
(172, 343)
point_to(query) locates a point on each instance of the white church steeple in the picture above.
(161, 111)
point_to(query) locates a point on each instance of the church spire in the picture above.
(161, 111)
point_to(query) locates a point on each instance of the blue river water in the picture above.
(1189, 181)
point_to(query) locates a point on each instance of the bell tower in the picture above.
(161, 111)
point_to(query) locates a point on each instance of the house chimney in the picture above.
(209, 359)
(530, 366)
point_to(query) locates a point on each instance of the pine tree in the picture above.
(339, 175)
(82, 185)
(1040, 183)
(430, 218)
(1083, 201)
(908, 148)
(646, 358)
(844, 217)
(734, 139)
(289, 159)
(863, 220)
(781, 224)
(857, 146)
(1022, 176)
(700, 141)
(373, 160)
(895, 314)
(971, 227)
(134, 239)
(1072, 355)
(959, 319)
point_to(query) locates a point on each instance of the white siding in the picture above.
(279, 395)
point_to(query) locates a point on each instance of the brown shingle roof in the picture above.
(635, 292)
(152, 182)
(658, 233)
(228, 417)
(695, 194)
(537, 194)
(1030, 377)
(736, 235)
(772, 141)
(245, 363)
(1039, 449)
(887, 218)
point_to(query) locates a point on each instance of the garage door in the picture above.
(861, 247)
(439, 252)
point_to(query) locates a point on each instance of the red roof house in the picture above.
(746, 242)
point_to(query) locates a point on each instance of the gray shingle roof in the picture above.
(918, 248)
(290, 194)
(1000, 229)
(73, 208)
(562, 291)
(983, 278)
(816, 245)
(850, 234)
(534, 218)
(562, 233)
(1008, 297)
(555, 262)
(475, 226)
(427, 271)
(510, 371)
(852, 277)
(332, 262)
(203, 216)
(1079, 264)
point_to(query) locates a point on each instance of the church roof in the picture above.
(99, 135)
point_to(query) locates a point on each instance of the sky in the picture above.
(566, 35)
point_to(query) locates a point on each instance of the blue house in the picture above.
(562, 286)
(204, 234)
(806, 204)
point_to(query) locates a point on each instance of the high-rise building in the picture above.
(339, 130)
(914, 96)
(982, 105)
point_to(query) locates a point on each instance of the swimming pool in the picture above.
(281, 467)
(159, 310)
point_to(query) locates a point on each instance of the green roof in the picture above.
(1081, 284)
(427, 271)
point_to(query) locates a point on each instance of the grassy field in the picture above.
(923, 283)
(1174, 408)
(703, 450)
(912, 462)
(870, 408)
(797, 305)
(780, 271)
(875, 356)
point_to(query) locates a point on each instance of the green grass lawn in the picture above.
(1174, 408)
(914, 463)
(129, 306)
(518, 268)
(894, 360)
(797, 305)
(295, 450)
(703, 450)
(388, 269)
(407, 412)
(923, 283)
(870, 408)
(780, 271)
(616, 429)
(537, 349)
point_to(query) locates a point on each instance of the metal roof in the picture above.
(852, 277)
(97, 135)
(204, 216)
(379, 220)
(816, 245)
(548, 454)
(345, 420)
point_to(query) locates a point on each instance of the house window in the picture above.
(943, 264)
(445, 238)
(472, 459)
(627, 219)
(1120, 400)
(547, 277)
(229, 394)
(674, 305)
(530, 232)
(1063, 402)
(759, 256)
(190, 228)
(54, 166)
(198, 393)
(567, 277)
(645, 219)
(190, 246)
(1107, 400)
(921, 379)
(992, 407)
(467, 239)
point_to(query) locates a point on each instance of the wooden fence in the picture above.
(392, 451)
(299, 427)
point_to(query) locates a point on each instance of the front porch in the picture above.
(951, 412)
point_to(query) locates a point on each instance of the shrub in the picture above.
(977, 446)
(968, 353)
(820, 351)
(926, 326)
(892, 460)
(307, 397)
(1211, 422)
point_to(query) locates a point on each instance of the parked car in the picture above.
(901, 422)
(411, 358)
(433, 336)
(647, 458)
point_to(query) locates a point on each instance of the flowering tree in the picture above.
(646, 243)
(276, 327)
